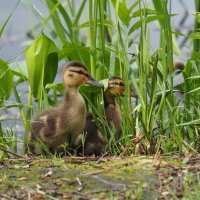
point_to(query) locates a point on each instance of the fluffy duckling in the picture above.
(116, 87)
(94, 141)
(63, 125)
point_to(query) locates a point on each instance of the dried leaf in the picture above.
(38, 187)
(39, 197)
(49, 173)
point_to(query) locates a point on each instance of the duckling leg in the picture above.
(89, 149)
(98, 144)
(96, 147)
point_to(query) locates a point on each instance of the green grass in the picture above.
(102, 34)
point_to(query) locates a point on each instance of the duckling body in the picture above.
(64, 124)
(115, 88)
(113, 115)
(94, 141)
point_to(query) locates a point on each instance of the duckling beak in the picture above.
(91, 81)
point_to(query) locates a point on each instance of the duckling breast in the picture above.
(113, 115)
(73, 117)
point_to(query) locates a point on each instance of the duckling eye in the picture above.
(120, 84)
(81, 72)
(77, 71)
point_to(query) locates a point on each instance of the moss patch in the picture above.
(87, 178)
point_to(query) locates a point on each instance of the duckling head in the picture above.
(116, 86)
(76, 73)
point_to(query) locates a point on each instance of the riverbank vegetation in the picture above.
(112, 38)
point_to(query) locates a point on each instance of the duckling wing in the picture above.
(45, 123)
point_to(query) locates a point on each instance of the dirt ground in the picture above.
(143, 177)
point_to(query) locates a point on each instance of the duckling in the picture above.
(64, 124)
(116, 87)
(94, 141)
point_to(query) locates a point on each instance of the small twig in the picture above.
(138, 138)
(10, 152)
(38, 161)
(94, 172)
(101, 159)
(78, 180)
(79, 160)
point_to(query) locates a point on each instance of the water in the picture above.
(13, 40)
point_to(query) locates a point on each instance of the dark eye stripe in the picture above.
(79, 72)
(116, 83)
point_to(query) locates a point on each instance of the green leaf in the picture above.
(107, 23)
(90, 92)
(19, 69)
(77, 52)
(193, 122)
(148, 20)
(82, 53)
(87, 90)
(6, 81)
(134, 5)
(52, 13)
(198, 17)
(177, 33)
(11, 104)
(65, 15)
(56, 86)
(123, 13)
(105, 83)
(42, 62)
(195, 35)
(143, 11)
(55, 19)
(79, 13)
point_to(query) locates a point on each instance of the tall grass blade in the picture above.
(8, 18)
(6, 81)
(196, 43)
